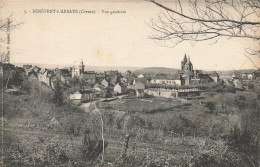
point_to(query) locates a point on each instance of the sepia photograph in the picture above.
(130, 83)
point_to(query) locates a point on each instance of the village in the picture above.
(153, 110)
(186, 82)
(130, 83)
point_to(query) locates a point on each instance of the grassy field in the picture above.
(163, 132)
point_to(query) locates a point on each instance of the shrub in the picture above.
(91, 146)
(58, 94)
(210, 105)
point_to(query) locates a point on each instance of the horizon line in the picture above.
(126, 66)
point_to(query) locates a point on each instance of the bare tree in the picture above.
(7, 24)
(208, 20)
(4, 21)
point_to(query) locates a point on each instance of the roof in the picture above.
(173, 77)
(64, 72)
(36, 68)
(195, 81)
(143, 80)
(214, 74)
(184, 60)
(168, 76)
(89, 75)
(20, 69)
(50, 73)
(100, 75)
(75, 96)
(8, 66)
(120, 84)
(203, 76)
(257, 72)
(43, 70)
(188, 62)
(198, 71)
(98, 86)
(113, 72)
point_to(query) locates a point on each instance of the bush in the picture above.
(210, 105)
(91, 146)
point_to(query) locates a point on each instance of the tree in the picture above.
(208, 20)
(58, 94)
(7, 24)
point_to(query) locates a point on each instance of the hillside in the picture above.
(87, 67)
(231, 72)
(155, 70)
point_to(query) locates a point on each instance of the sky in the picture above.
(102, 39)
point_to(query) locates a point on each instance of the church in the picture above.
(79, 71)
(193, 77)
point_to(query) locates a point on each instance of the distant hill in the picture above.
(231, 72)
(87, 68)
(156, 70)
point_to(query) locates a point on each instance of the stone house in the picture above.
(105, 83)
(120, 88)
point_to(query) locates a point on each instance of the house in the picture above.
(256, 74)
(250, 76)
(140, 76)
(100, 77)
(99, 90)
(129, 78)
(120, 88)
(27, 66)
(77, 70)
(63, 75)
(139, 93)
(46, 77)
(88, 95)
(139, 85)
(205, 78)
(214, 76)
(98, 87)
(167, 79)
(142, 80)
(89, 76)
(104, 83)
(32, 76)
(9, 69)
(238, 84)
(20, 70)
(76, 97)
(27, 71)
(36, 69)
(113, 77)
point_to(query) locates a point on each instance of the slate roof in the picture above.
(100, 75)
(89, 75)
(168, 76)
(64, 72)
(142, 80)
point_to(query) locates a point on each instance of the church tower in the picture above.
(188, 66)
(183, 62)
(81, 67)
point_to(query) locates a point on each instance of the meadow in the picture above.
(220, 130)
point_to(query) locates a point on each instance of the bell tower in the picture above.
(183, 62)
(82, 66)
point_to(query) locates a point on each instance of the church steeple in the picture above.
(82, 66)
(188, 65)
(185, 58)
(183, 62)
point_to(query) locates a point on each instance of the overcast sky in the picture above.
(108, 39)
